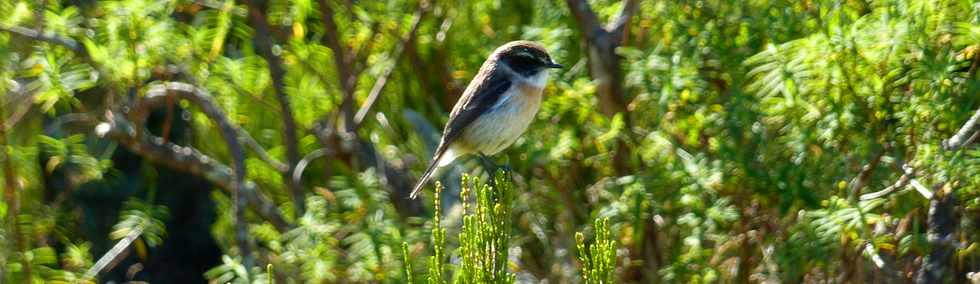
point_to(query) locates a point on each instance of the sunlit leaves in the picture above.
(72, 154)
(143, 218)
(230, 271)
(58, 78)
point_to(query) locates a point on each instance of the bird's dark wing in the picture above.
(488, 86)
(477, 99)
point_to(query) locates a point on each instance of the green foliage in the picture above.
(72, 154)
(407, 267)
(438, 257)
(599, 259)
(748, 125)
(146, 219)
(485, 236)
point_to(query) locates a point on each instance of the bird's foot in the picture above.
(491, 168)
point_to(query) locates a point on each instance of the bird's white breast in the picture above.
(506, 120)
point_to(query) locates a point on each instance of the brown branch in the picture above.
(160, 94)
(379, 85)
(967, 134)
(605, 68)
(18, 114)
(341, 62)
(264, 44)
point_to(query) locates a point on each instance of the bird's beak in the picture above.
(554, 65)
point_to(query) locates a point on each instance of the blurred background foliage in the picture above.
(686, 141)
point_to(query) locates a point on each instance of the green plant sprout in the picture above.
(599, 260)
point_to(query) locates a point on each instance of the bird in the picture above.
(496, 107)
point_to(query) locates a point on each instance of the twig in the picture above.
(46, 37)
(263, 42)
(114, 255)
(301, 166)
(858, 182)
(341, 60)
(379, 85)
(259, 150)
(966, 135)
(901, 183)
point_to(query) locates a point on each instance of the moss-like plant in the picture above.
(599, 259)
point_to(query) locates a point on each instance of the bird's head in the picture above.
(525, 57)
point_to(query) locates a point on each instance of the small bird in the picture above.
(496, 107)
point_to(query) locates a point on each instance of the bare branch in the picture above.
(379, 85)
(901, 183)
(341, 62)
(263, 42)
(191, 161)
(858, 182)
(23, 101)
(259, 150)
(159, 94)
(301, 166)
(966, 135)
(114, 255)
(46, 37)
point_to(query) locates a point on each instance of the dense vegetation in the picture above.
(685, 141)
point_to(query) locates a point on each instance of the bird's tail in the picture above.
(442, 157)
